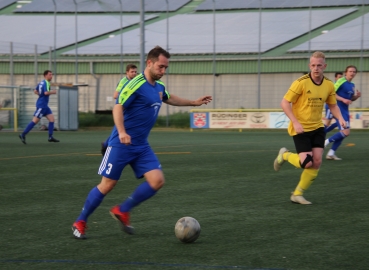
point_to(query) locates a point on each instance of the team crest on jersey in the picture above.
(161, 95)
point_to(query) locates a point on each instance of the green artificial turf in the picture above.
(224, 179)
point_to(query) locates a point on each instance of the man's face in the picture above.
(157, 69)
(317, 67)
(49, 76)
(350, 73)
(131, 73)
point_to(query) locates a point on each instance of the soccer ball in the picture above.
(187, 229)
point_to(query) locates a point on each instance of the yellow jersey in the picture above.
(308, 100)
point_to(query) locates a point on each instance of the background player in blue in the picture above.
(131, 72)
(42, 109)
(328, 114)
(345, 95)
(134, 115)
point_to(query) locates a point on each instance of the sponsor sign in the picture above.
(358, 120)
(278, 120)
(199, 120)
(243, 120)
(228, 119)
(258, 120)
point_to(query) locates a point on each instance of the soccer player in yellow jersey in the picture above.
(303, 104)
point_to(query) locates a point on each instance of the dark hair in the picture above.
(46, 72)
(350, 66)
(130, 66)
(338, 73)
(153, 55)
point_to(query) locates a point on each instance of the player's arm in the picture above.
(51, 92)
(286, 107)
(35, 92)
(343, 100)
(119, 87)
(178, 101)
(119, 124)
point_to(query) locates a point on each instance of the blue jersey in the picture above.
(344, 89)
(141, 103)
(43, 100)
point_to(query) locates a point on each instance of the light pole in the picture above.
(54, 66)
(76, 43)
(214, 50)
(142, 36)
(121, 39)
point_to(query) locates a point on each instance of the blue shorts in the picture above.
(346, 117)
(141, 158)
(40, 112)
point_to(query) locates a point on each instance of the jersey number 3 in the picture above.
(109, 168)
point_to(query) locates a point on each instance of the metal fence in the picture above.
(249, 90)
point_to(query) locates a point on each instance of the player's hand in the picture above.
(347, 101)
(124, 138)
(357, 93)
(298, 127)
(342, 123)
(203, 100)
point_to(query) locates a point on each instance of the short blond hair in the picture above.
(318, 54)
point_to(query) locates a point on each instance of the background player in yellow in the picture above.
(303, 104)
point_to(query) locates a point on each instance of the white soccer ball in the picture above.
(187, 229)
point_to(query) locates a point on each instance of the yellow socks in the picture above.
(294, 159)
(307, 178)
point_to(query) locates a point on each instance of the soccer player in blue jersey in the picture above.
(345, 95)
(134, 115)
(328, 114)
(42, 109)
(131, 72)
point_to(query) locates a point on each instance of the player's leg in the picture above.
(310, 154)
(111, 168)
(148, 166)
(49, 115)
(328, 117)
(331, 127)
(36, 118)
(337, 139)
(327, 125)
(154, 182)
(293, 158)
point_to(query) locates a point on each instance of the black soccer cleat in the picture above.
(52, 139)
(22, 138)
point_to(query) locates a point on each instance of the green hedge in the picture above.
(177, 120)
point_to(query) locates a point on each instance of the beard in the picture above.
(155, 76)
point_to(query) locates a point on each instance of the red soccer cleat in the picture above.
(78, 229)
(123, 219)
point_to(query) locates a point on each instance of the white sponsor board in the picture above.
(243, 120)
(239, 120)
(278, 120)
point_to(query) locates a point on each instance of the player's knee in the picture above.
(308, 162)
(157, 183)
(106, 185)
(346, 132)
